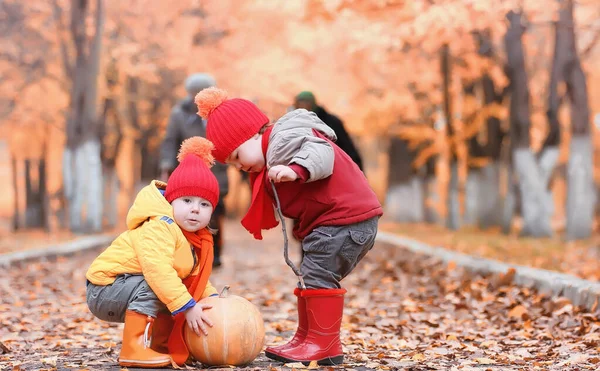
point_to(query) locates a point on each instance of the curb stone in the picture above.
(76, 245)
(580, 292)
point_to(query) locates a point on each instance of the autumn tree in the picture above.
(25, 115)
(483, 111)
(531, 174)
(82, 166)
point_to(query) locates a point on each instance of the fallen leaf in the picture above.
(441, 351)
(485, 361)
(566, 309)
(49, 361)
(518, 312)
(175, 365)
(523, 353)
(488, 344)
(4, 348)
(293, 365)
(418, 357)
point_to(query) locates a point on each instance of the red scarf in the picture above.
(202, 241)
(260, 215)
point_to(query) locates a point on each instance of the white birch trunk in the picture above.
(472, 190)
(93, 178)
(488, 194)
(536, 200)
(404, 202)
(82, 177)
(71, 193)
(431, 199)
(509, 202)
(453, 209)
(581, 193)
(111, 196)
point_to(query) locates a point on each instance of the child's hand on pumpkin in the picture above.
(282, 173)
(195, 318)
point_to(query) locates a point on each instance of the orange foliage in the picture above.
(374, 63)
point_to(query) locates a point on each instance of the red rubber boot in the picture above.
(324, 308)
(273, 352)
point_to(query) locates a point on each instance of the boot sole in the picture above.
(133, 363)
(329, 361)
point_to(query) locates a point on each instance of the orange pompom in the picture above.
(198, 146)
(209, 99)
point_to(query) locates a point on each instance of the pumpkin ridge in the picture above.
(225, 355)
(206, 349)
(256, 330)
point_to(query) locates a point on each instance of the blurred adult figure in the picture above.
(184, 123)
(306, 100)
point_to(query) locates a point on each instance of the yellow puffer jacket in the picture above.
(154, 246)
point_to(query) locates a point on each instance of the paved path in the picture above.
(403, 311)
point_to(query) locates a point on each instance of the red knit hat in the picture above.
(231, 122)
(193, 176)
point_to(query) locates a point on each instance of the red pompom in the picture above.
(198, 146)
(209, 99)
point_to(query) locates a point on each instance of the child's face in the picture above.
(248, 156)
(191, 213)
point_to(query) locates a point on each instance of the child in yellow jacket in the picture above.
(153, 275)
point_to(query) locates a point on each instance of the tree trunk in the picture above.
(43, 193)
(453, 205)
(431, 196)
(472, 199)
(16, 222)
(108, 154)
(404, 198)
(490, 200)
(509, 203)
(149, 158)
(476, 151)
(531, 175)
(82, 167)
(453, 221)
(34, 211)
(489, 196)
(581, 196)
(111, 197)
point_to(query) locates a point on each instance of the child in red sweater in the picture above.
(320, 187)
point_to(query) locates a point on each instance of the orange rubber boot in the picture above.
(136, 351)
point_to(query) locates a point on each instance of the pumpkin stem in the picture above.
(224, 292)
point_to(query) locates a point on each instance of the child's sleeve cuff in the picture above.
(303, 174)
(187, 306)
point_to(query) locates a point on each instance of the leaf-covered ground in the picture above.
(403, 312)
(579, 258)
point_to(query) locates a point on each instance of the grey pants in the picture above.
(332, 252)
(128, 292)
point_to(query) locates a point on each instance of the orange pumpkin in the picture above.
(237, 335)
